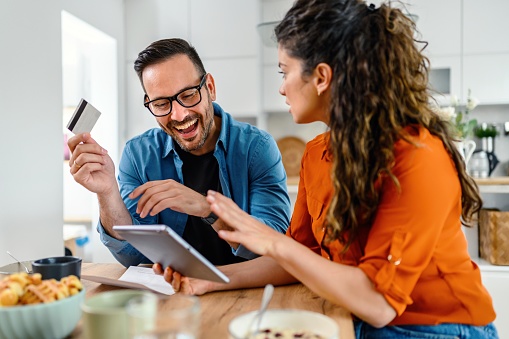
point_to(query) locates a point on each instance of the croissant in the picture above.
(24, 289)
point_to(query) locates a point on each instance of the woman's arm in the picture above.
(341, 284)
(344, 285)
(253, 273)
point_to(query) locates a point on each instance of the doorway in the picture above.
(89, 71)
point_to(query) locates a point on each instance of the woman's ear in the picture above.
(322, 77)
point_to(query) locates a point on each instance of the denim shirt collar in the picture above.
(222, 140)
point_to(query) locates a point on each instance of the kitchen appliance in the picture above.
(479, 166)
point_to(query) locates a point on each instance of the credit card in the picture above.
(84, 118)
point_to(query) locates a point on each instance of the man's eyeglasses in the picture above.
(188, 97)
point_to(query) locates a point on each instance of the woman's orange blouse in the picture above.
(415, 253)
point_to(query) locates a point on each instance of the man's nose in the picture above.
(178, 112)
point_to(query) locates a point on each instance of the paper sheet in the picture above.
(136, 277)
(145, 276)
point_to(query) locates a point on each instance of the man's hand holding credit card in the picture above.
(90, 165)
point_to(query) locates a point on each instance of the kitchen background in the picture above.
(56, 51)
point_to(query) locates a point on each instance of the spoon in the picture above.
(19, 262)
(266, 297)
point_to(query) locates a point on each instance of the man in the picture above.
(165, 173)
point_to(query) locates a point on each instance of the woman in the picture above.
(381, 195)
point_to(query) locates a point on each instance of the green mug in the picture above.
(105, 315)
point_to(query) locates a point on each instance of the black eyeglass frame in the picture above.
(175, 98)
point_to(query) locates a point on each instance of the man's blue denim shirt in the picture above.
(251, 173)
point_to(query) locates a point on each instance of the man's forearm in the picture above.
(112, 211)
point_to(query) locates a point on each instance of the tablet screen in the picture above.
(162, 245)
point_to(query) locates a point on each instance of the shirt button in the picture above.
(393, 261)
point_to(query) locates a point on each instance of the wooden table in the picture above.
(218, 308)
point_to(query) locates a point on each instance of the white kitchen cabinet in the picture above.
(273, 11)
(441, 29)
(486, 50)
(151, 20)
(488, 77)
(469, 41)
(237, 85)
(495, 278)
(497, 282)
(439, 24)
(224, 28)
(224, 34)
(485, 26)
(445, 77)
(272, 101)
(139, 117)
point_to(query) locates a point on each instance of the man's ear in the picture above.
(211, 86)
(322, 77)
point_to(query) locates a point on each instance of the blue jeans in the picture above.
(442, 331)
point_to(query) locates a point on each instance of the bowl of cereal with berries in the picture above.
(32, 307)
(284, 323)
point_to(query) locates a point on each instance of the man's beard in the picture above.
(206, 127)
(203, 136)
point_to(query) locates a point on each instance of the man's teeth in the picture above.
(186, 125)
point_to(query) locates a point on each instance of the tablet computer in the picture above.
(162, 245)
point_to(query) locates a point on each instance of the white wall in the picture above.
(148, 21)
(30, 130)
(31, 189)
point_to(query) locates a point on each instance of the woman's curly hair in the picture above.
(379, 89)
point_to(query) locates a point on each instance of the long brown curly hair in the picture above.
(379, 87)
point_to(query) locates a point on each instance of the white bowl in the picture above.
(52, 320)
(284, 319)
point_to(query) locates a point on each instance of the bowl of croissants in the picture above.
(32, 307)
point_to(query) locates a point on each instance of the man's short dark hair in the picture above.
(164, 49)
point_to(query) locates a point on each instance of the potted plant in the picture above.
(458, 116)
(485, 130)
(487, 133)
(460, 123)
